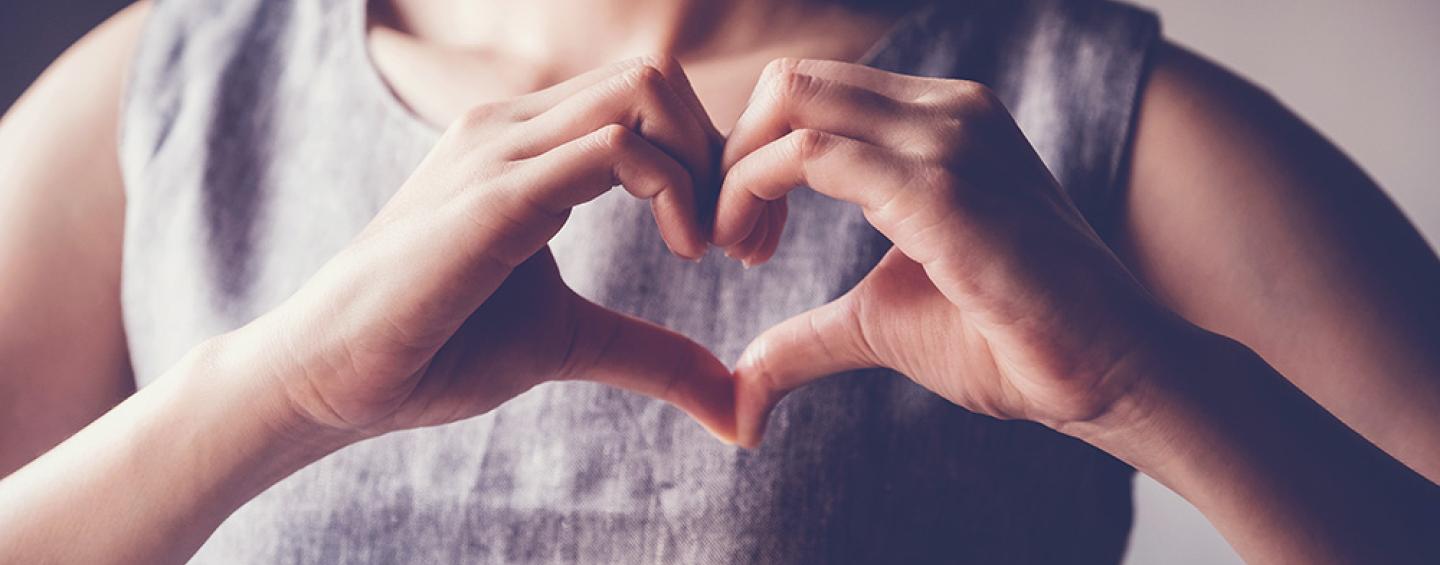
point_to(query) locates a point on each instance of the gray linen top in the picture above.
(257, 139)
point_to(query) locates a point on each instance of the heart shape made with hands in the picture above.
(991, 270)
(778, 131)
(834, 127)
(995, 293)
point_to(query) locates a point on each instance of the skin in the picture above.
(1248, 249)
(998, 297)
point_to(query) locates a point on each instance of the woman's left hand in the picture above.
(997, 294)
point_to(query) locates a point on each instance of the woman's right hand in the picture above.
(449, 302)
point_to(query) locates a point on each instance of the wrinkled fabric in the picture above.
(257, 139)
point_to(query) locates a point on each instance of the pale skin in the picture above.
(1236, 221)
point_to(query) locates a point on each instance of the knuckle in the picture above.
(792, 86)
(635, 63)
(929, 149)
(974, 98)
(930, 194)
(479, 116)
(781, 65)
(811, 143)
(642, 87)
(942, 140)
(646, 60)
(613, 138)
(936, 178)
(853, 338)
(759, 366)
(666, 64)
(646, 79)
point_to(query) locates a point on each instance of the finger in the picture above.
(538, 102)
(760, 245)
(787, 100)
(639, 356)
(640, 98)
(809, 346)
(780, 211)
(743, 250)
(894, 85)
(584, 168)
(797, 101)
(839, 167)
(706, 187)
(680, 83)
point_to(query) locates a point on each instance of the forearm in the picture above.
(1281, 478)
(150, 480)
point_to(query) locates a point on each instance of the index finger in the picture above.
(538, 102)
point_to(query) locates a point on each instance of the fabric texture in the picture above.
(257, 139)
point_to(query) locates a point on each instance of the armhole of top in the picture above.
(1149, 38)
(137, 71)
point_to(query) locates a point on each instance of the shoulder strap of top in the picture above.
(216, 63)
(183, 44)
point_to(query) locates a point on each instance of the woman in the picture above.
(322, 287)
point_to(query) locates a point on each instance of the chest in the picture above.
(438, 84)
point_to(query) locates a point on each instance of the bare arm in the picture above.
(63, 360)
(475, 317)
(1282, 479)
(1248, 223)
(999, 297)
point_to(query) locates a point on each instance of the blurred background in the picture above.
(1365, 73)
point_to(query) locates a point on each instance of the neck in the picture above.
(592, 32)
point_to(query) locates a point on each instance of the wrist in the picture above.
(245, 388)
(1176, 384)
(1276, 473)
(150, 479)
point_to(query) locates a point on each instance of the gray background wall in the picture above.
(1365, 73)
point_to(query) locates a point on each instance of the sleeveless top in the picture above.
(258, 138)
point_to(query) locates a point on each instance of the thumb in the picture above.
(800, 350)
(627, 352)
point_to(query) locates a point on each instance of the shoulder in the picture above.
(62, 209)
(96, 64)
(1198, 116)
(69, 114)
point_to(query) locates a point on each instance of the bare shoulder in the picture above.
(71, 111)
(58, 148)
(62, 350)
(1247, 221)
(1199, 118)
(1213, 151)
(99, 60)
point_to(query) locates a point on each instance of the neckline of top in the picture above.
(358, 16)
